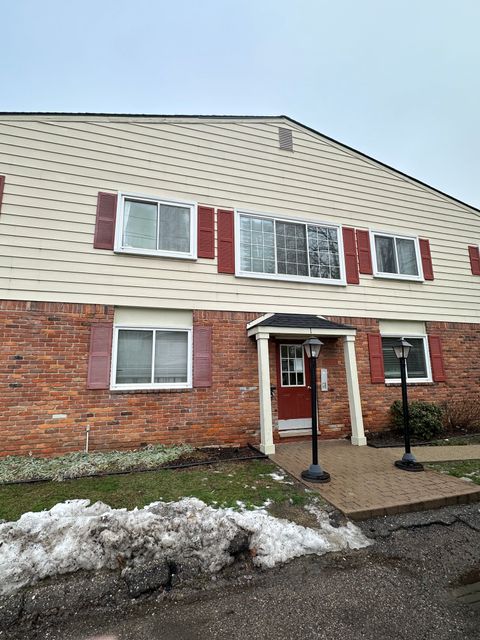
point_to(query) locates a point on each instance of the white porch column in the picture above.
(358, 434)
(266, 426)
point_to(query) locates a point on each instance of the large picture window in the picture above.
(396, 256)
(277, 248)
(417, 365)
(156, 227)
(151, 358)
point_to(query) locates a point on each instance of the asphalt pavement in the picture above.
(401, 587)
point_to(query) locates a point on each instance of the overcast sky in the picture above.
(396, 79)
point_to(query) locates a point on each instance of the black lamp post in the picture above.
(408, 461)
(314, 473)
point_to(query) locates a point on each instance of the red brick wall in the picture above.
(461, 351)
(43, 363)
(44, 357)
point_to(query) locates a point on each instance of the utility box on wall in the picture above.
(324, 379)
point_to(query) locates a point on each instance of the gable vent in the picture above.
(285, 139)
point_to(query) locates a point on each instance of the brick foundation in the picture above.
(44, 357)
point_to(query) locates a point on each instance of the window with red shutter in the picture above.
(100, 355)
(206, 232)
(364, 252)
(202, 356)
(225, 241)
(436, 358)
(105, 222)
(375, 351)
(426, 257)
(474, 254)
(350, 251)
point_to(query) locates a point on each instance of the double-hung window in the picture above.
(396, 256)
(152, 226)
(417, 364)
(288, 250)
(151, 358)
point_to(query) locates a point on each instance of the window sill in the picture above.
(282, 278)
(155, 254)
(423, 383)
(182, 390)
(398, 276)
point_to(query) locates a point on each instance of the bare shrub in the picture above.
(462, 412)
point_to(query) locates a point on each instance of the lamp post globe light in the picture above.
(314, 473)
(408, 461)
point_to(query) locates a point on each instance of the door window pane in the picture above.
(134, 357)
(292, 365)
(385, 250)
(140, 225)
(174, 231)
(407, 258)
(171, 356)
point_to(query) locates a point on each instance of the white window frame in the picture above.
(151, 385)
(119, 248)
(292, 386)
(428, 363)
(284, 276)
(396, 276)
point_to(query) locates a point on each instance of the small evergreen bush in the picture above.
(426, 419)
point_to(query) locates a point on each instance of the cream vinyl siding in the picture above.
(55, 166)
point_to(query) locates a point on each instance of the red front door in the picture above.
(293, 387)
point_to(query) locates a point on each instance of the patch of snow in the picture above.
(276, 476)
(76, 535)
(466, 479)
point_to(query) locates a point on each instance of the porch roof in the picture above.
(297, 324)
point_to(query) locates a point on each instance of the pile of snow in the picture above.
(75, 535)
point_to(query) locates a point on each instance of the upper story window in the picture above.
(417, 364)
(288, 250)
(151, 358)
(396, 256)
(152, 226)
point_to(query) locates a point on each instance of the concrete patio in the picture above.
(365, 482)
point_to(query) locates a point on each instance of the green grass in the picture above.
(220, 485)
(460, 469)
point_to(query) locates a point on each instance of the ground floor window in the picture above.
(146, 358)
(418, 368)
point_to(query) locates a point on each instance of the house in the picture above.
(158, 275)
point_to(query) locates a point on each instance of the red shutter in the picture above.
(426, 259)
(436, 358)
(2, 185)
(350, 251)
(364, 251)
(206, 232)
(375, 351)
(105, 223)
(99, 359)
(474, 254)
(225, 240)
(202, 356)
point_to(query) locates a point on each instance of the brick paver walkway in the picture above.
(365, 483)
